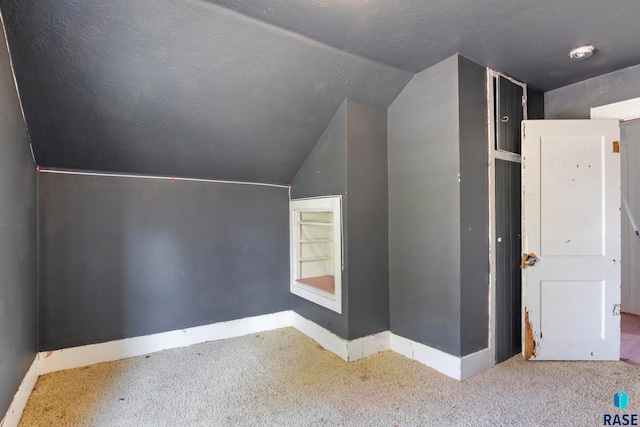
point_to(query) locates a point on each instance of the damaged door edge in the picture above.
(530, 344)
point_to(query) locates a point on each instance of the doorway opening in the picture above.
(630, 295)
(628, 113)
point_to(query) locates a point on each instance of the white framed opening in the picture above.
(316, 250)
(627, 111)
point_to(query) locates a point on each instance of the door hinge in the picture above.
(616, 309)
(524, 101)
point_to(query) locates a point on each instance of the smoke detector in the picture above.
(581, 52)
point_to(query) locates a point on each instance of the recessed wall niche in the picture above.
(316, 250)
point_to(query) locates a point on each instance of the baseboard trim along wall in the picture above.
(19, 402)
(475, 363)
(348, 350)
(75, 357)
(45, 362)
(459, 368)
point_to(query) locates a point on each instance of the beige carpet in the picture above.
(283, 378)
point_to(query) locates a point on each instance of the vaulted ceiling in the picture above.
(242, 89)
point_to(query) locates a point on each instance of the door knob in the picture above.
(528, 260)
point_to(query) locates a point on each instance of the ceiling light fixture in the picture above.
(581, 52)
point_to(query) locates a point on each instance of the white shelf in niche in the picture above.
(316, 250)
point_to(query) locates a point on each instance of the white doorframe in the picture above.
(623, 111)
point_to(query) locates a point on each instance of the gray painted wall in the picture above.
(324, 173)
(474, 207)
(438, 208)
(424, 209)
(351, 158)
(368, 219)
(18, 258)
(575, 101)
(179, 88)
(124, 257)
(535, 104)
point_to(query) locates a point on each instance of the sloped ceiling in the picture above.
(526, 39)
(242, 89)
(178, 88)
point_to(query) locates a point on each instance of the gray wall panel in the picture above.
(18, 280)
(474, 207)
(124, 257)
(575, 101)
(424, 209)
(535, 104)
(324, 173)
(368, 219)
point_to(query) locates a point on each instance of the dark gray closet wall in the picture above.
(508, 250)
(17, 240)
(575, 101)
(509, 115)
(438, 225)
(535, 104)
(125, 257)
(351, 158)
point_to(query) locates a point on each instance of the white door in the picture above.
(571, 233)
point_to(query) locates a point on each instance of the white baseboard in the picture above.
(439, 360)
(348, 350)
(369, 345)
(75, 357)
(19, 402)
(322, 336)
(477, 362)
(459, 368)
